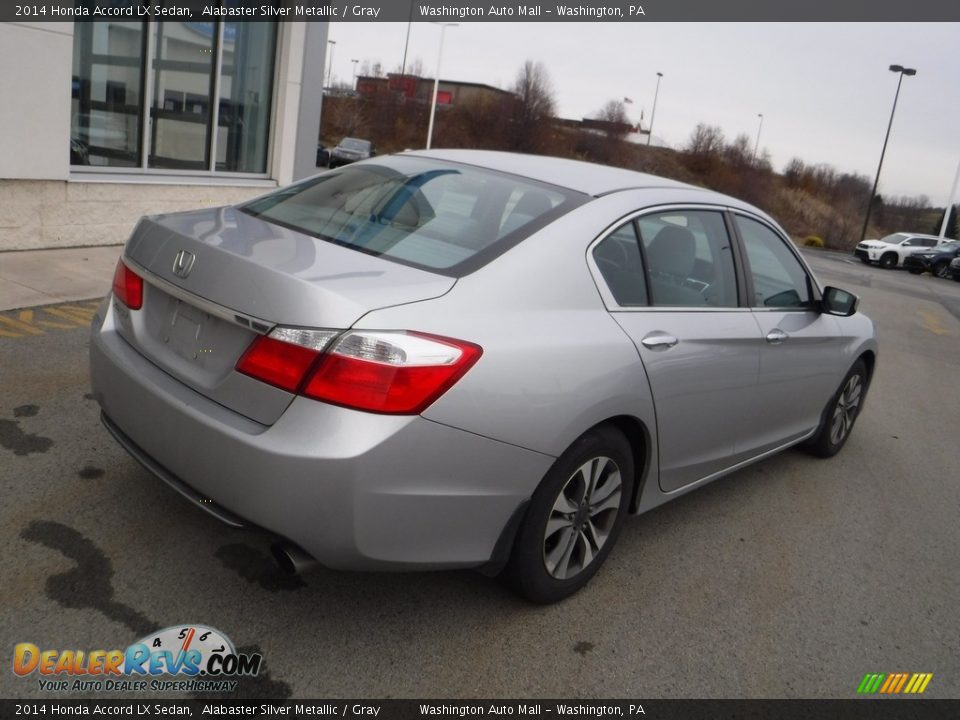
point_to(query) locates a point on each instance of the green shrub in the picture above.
(814, 241)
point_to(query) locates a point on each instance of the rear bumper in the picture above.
(355, 490)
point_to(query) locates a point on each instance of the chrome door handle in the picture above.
(659, 341)
(776, 336)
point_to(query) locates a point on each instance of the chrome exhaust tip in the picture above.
(292, 559)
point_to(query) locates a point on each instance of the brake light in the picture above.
(397, 373)
(278, 363)
(127, 286)
(384, 372)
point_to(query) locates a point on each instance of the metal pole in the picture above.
(406, 45)
(436, 81)
(756, 147)
(873, 192)
(332, 44)
(354, 73)
(950, 202)
(653, 113)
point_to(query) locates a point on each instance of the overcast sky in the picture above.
(824, 89)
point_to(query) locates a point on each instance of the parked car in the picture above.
(350, 150)
(935, 260)
(447, 359)
(323, 155)
(890, 251)
(955, 269)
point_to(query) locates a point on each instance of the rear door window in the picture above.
(689, 259)
(617, 257)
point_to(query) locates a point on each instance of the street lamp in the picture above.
(436, 80)
(653, 113)
(950, 201)
(909, 72)
(332, 44)
(354, 73)
(756, 147)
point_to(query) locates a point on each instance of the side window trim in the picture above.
(812, 286)
(744, 280)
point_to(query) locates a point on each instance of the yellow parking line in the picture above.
(931, 322)
(22, 323)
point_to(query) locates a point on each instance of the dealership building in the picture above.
(103, 122)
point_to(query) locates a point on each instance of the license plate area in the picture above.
(191, 333)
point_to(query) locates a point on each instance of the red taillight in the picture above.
(383, 372)
(278, 363)
(127, 286)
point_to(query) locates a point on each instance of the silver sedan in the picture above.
(469, 359)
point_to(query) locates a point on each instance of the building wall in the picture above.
(38, 214)
(36, 61)
(43, 205)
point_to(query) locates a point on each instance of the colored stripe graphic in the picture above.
(894, 683)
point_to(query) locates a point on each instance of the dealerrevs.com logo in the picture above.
(200, 657)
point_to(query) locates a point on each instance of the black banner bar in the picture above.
(635, 11)
(854, 709)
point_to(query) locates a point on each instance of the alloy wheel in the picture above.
(582, 518)
(846, 409)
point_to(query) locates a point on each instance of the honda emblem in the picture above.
(183, 263)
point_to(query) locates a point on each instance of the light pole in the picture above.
(653, 113)
(332, 44)
(953, 194)
(756, 147)
(909, 72)
(436, 80)
(354, 73)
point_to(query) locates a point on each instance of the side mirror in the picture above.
(839, 302)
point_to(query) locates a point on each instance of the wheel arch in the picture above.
(869, 358)
(641, 440)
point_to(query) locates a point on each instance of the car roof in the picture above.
(584, 177)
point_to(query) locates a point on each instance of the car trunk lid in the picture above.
(215, 278)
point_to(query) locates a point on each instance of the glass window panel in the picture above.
(618, 258)
(106, 93)
(246, 91)
(689, 259)
(413, 210)
(182, 87)
(779, 279)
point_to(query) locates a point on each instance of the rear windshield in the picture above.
(354, 144)
(444, 217)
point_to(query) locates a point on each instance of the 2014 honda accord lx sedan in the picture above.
(469, 359)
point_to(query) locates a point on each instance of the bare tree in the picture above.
(706, 140)
(614, 113)
(533, 109)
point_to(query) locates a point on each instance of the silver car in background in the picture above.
(469, 359)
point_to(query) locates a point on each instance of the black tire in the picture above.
(888, 261)
(942, 269)
(825, 443)
(527, 570)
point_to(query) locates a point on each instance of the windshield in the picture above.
(433, 215)
(354, 144)
(895, 238)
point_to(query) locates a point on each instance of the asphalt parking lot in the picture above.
(791, 578)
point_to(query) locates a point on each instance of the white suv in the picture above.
(892, 250)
